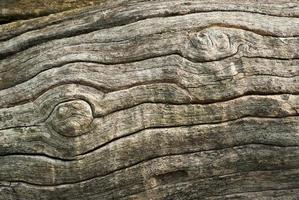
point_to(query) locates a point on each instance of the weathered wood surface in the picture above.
(152, 100)
(11, 10)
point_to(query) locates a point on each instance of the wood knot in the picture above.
(72, 118)
(213, 44)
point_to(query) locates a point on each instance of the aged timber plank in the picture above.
(149, 100)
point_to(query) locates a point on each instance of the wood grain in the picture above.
(166, 100)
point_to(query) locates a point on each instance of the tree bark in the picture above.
(166, 100)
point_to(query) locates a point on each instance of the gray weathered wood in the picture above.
(151, 100)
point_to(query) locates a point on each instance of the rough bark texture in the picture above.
(140, 100)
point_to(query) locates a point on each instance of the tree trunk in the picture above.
(150, 100)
